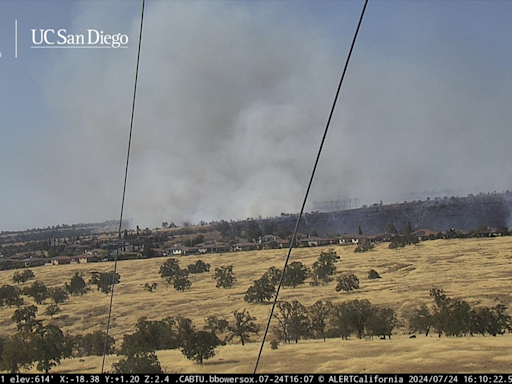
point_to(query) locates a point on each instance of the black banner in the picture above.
(256, 379)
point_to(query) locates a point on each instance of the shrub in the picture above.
(150, 288)
(373, 274)
(364, 246)
(51, 310)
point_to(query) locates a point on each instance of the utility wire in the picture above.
(124, 190)
(292, 242)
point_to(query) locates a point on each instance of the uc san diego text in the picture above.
(93, 37)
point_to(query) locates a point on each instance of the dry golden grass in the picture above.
(476, 270)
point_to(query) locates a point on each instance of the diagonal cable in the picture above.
(124, 190)
(292, 242)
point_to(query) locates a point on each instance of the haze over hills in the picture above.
(438, 214)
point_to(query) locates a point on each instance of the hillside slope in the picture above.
(440, 214)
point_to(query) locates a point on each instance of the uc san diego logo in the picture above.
(49, 38)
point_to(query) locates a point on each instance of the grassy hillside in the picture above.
(476, 270)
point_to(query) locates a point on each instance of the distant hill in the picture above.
(439, 214)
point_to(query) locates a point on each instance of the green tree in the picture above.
(48, 343)
(498, 321)
(104, 280)
(390, 228)
(224, 228)
(150, 336)
(422, 321)
(147, 249)
(77, 285)
(262, 290)
(93, 344)
(22, 277)
(381, 322)
(347, 282)
(243, 326)
(169, 270)
(219, 327)
(450, 316)
(58, 294)
(38, 291)
(252, 230)
(143, 362)
(10, 296)
(349, 317)
(318, 314)
(408, 229)
(293, 321)
(51, 310)
(25, 318)
(224, 277)
(195, 345)
(269, 227)
(273, 275)
(324, 267)
(181, 281)
(17, 353)
(199, 267)
(295, 274)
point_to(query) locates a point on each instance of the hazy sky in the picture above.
(233, 97)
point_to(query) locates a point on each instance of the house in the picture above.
(181, 250)
(77, 248)
(243, 246)
(33, 261)
(351, 239)
(212, 248)
(158, 252)
(59, 260)
(267, 238)
(87, 258)
(383, 237)
(315, 241)
(424, 234)
(276, 243)
(488, 232)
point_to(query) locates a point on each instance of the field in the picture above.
(476, 270)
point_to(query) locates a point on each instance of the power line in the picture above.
(124, 189)
(292, 242)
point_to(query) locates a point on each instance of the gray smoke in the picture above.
(231, 105)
